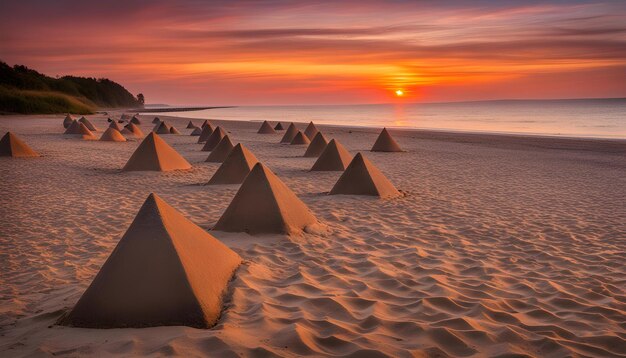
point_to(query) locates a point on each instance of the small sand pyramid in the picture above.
(88, 124)
(174, 130)
(135, 120)
(310, 131)
(73, 128)
(205, 123)
(361, 177)
(162, 128)
(165, 271)
(155, 154)
(132, 130)
(67, 121)
(156, 120)
(299, 139)
(79, 129)
(196, 131)
(266, 128)
(289, 134)
(112, 135)
(334, 157)
(207, 130)
(220, 152)
(214, 139)
(235, 167)
(279, 127)
(316, 147)
(190, 125)
(109, 120)
(264, 204)
(386, 143)
(12, 146)
(115, 126)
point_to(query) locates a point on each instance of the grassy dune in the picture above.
(30, 101)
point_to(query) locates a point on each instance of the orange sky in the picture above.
(275, 52)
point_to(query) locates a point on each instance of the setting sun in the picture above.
(399, 93)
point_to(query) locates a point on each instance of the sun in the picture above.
(399, 93)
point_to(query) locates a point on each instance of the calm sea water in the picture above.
(604, 118)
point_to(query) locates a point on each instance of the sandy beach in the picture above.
(501, 245)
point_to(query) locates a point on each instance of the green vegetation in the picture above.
(23, 90)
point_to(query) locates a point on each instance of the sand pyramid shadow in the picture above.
(362, 177)
(266, 128)
(317, 146)
(12, 146)
(112, 135)
(289, 134)
(235, 167)
(155, 154)
(300, 139)
(311, 131)
(207, 130)
(221, 151)
(214, 139)
(165, 271)
(334, 157)
(265, 205)
(386, 143)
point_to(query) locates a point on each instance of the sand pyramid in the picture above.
(165, 271)
(361, 177)
(88, 124)
(67, 121)
(206, 123)
(235, 167)
(334, 157)
(264, 204)
(386, 143)
(112, 135)
(220, 152)
(12, 146)
(132, 130)
(79, 129)
(174, 130)
(196, 131)
(155, 154)
(207, 130)
(266, 128)
(317, 146)
(114, 125)
(162, 128)
(279, 127)
(214, 139)
(311, 131)
(190, 125)
(73, 128)
(156, 120)
(135, 120)
(300, 138)
(289, 134)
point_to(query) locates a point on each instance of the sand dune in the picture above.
(501, 246)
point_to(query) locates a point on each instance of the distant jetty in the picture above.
(173, 109)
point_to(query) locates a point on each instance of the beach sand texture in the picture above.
(500, 244)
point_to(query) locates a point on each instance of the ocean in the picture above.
(596, 118)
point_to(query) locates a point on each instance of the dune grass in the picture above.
(44, 102)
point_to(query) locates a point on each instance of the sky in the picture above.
(267, 52)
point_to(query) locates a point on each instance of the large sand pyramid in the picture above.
(155, 154)
(214, 139)
(190, 125)
(361, 177)
(67, 121)
(316, 147)
(207, 130)
(165, 271)
(79, 129)
(266, 128)
(289, 134)
(12, 146)
(310, 131)
(235, 167)
(334, 157)
(386, 143)
(162, 128)
(135, 120)
(264, 204)
(196, 131)
(299, 139)
(132, 130)
(88, 124)
(279, 127)
(220, 152)
(112, 135)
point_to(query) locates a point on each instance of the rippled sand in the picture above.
(502, 246)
